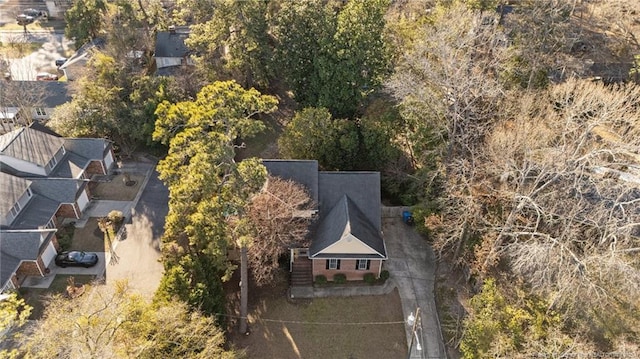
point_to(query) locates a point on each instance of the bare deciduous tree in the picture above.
(280, 217)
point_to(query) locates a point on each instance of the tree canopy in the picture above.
(206, 186)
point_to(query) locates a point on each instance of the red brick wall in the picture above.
(28, 268)
(66, 210)
(54, 241)
(347, 267)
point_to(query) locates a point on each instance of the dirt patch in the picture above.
(88, 238)
(353, 327)
(37, 297)
(119, 187)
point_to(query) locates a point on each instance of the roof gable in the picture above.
(346, 231)
(363, 188)
(30, 145)
(11, 189)
(14, 248)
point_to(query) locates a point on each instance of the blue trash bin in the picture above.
(406, 216)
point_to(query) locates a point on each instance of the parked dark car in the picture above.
(33, 13)
(23, 19)
(76, 259)
(61, 61)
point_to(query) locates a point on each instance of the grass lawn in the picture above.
(116, 189)
(88, 238)
(323, 327)
(36, 297)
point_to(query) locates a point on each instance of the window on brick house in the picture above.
(333, 263)
(362, 264)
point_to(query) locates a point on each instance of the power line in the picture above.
(312, 323)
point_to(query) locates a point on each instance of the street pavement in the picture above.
(137, 251)
(411, 264)
(54, 46)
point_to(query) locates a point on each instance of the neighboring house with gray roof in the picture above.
(171, 50)
(30, 101)
(29, 212)
(28, 152)
(23, 254)
(43, 180)
(348, 238)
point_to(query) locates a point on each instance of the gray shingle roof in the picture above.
(171, 44)
(30, 145)
(47, 94)
(15, 247)
(90, 148)
(304, 172)
(344, 219)
(11, 189)
(37, 213)
(363, 188)
(63, 190)
(71, 166)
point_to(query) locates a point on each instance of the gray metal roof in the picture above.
(37, 213)
(47, 94)
(63, 190)
(11, 189)
(304, 172)
(346, 218)
(171, 44)
(91, 148)
(363, 188)
(30, 145)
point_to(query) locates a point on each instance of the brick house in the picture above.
(43, 180)
(348, 236)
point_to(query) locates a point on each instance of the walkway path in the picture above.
(412, 266)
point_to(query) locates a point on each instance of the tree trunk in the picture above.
(244, 289)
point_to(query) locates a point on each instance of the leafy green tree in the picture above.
(111, 322)
(362, 59)
(113, 103)
(84, 20)
(329, 58)
(313, 134)
(234, 42)
(304, 31)
(207, 187)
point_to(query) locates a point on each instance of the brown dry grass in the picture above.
(88, 238)
(116, 190)
(284, 329)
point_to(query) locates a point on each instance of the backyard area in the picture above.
(342, 327)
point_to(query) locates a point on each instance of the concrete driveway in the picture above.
(96, 270)
(411, 264)
(137, 253)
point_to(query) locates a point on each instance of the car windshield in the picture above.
(76, 256)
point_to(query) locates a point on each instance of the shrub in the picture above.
(340, 278)
(115, 217)
(65, 237)
(320, 279)
(384, 275)
(369, 278)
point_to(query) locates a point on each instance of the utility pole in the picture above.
(415, 324)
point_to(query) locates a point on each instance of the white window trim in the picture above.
(40, 111)
(333, 263)
(362, 264)
(29, 193)
(15, 210)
